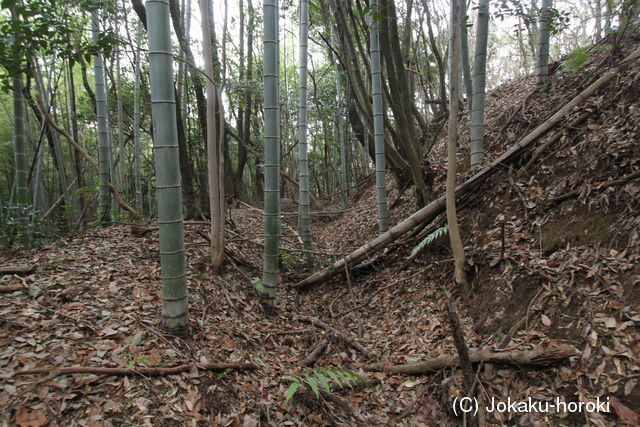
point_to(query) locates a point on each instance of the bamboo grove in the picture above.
(164, 110)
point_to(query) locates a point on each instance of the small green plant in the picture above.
(427, 241)
(257, 284)
(20, 227)
(288, 259)
(320, 379)
(580, 57)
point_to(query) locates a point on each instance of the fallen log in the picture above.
(138, 370)
(538, 357)
(435, 208)
(17, 269)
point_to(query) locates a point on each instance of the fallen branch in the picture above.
(139, 370)
(340, 335)
(537, 357)
(576, 193)
(315, 355)
(17, 269)
(432, 210)
(8, 289)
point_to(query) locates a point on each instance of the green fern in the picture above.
(319, 380)
(427, 241)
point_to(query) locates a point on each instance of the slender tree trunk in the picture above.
(19, 146)
(378, 124)
(452, 217)
(136, 123)
(542, 60)
(267, 289)
(479, 80)
(103, 137)
(303, 198)
(77, 159)
(214, 145)
(121, 148)
(38, 190)
(607, 16)
(168, 188)
(248, 101)
(442, 69)
(466, 62)
(57, 148)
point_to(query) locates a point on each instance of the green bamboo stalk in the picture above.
(168, 187)
(102, 130)
(19, 148)
(479, 82)
(136, 122)
(542, 60)
(304, 222)
(267, 290)
(378, 124)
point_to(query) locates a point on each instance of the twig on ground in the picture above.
(341, 335)
(139, 370)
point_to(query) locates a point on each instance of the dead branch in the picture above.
(338, 334)
(575, 193)
(541, 356)
(139, 370)
(432, 210)
(315, 355)
(17, 269)
(9, 289)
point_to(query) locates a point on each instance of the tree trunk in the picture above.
(466, 62)
(77, 161)
(452, 140)
(101, 112)
(136, 123)
(267, 289)
(214, 145)
(19, 148)
(542, 60)
(479, 80)
(168, 188)
(303, 197)
(378, 124)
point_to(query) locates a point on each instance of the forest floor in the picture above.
(552, 251)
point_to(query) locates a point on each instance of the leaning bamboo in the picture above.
(435, 208)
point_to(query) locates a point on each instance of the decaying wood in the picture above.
(17, 269)
(315, 354)
(338, 334)
(432, 210)
(13, 288)
(138, 370)
(538, 357)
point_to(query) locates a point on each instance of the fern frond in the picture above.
(436, 234)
